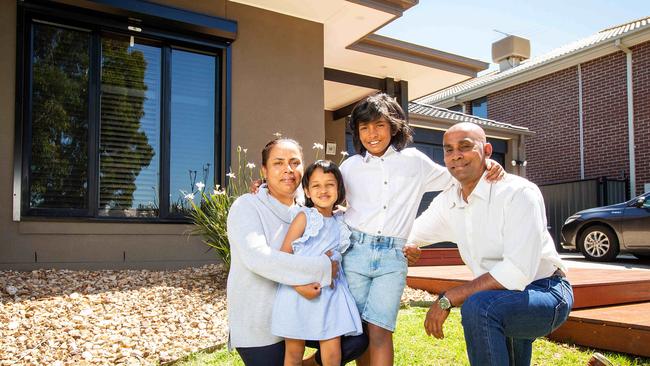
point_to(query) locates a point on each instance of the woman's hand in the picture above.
(412, 253)
(309, 291)
(495, 172)
(334, 259)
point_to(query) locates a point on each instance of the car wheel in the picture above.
(599, 243)
(642, 255)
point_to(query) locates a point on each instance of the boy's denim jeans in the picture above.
(501, 325)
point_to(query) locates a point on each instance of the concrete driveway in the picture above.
(623, 261)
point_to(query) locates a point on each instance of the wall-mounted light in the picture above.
(519, 162)
(133, 29)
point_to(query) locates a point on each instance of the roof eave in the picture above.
(444, 124)
(404, 51)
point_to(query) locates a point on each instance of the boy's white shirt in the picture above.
(383, 193)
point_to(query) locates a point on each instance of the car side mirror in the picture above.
(640, 202)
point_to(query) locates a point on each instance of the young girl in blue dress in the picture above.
(315, 230)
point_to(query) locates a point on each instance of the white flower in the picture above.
(231, 175)
(200, 186)
(245, 151)
(344, 153)
(317, 146)
(188, 196)
(250, 165)
(238, 148)
(277, 134)
(219, 192)
(216, 187)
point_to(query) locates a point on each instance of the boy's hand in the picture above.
(309, 291)
(495, 172)
(412, 253)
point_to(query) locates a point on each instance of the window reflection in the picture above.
(192, 127)
(130, 129)
(59, 156)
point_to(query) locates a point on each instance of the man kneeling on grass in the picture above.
(519, 291)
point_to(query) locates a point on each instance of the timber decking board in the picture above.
(591, 287)
(622, 328)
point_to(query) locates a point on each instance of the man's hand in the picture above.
(495, 172)
(255, 185)
(309, 291)
(335, 266)
(434, 320)
(412, 253)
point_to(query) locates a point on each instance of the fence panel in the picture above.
(564, 199)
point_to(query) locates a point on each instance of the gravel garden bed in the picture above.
(128, 317)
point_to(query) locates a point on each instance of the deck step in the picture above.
(621, 328)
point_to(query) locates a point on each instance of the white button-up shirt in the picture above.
(501, 229)
(383, 193)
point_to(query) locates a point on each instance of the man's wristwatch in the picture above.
(443, 302)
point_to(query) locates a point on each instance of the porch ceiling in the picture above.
(351, 46)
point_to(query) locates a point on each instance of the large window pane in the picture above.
(58, 172)
(192, 125)
(130, 129)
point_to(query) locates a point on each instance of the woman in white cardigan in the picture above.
(257, 224)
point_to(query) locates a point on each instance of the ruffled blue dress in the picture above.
(333, 313)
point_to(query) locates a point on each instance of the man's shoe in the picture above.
(598, 359)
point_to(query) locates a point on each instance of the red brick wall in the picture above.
(549, 107)
(605, 116)
(641, 83)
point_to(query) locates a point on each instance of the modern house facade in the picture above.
(588, 103)
(115, 110)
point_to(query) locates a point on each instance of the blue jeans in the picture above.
(501, 325)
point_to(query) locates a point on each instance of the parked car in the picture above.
(601, 233)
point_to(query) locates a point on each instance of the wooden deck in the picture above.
(439, 257)
(611, 308)
(622, 328)
(591, 287)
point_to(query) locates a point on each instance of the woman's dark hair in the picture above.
(326, 166)
(269, 146)
(373, 108)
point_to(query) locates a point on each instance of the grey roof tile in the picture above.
(594, 40)
(455, 117)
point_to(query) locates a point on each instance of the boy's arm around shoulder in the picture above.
(435, 177)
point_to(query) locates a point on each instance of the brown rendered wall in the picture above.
(549, 106)
(277, 79)
(335, 132)
(277, 73)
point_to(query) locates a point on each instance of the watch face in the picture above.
(444, 303)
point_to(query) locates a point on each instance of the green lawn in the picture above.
(413, 347)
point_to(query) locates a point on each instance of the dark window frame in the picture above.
(98, 24)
